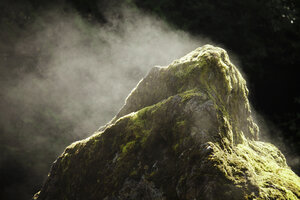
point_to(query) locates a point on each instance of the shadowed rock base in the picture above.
(185, 132)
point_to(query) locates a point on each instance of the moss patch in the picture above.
(185, 132)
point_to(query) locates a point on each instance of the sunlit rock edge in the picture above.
(185, 132)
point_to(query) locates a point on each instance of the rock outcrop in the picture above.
(185, 132)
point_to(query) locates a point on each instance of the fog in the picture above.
(72, 76)
(65, 76)
(88, 69)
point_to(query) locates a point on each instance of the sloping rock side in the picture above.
(185, 132)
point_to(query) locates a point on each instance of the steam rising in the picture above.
(83, 72)
(89, 69)
(80, 75)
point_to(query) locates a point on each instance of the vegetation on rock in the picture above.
(185, 132)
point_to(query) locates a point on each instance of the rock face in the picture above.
(185, 132)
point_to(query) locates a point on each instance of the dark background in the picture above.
(263, 34)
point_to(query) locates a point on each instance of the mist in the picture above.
(66, 75)
(89, 69)
(73, 76)
(269, 132)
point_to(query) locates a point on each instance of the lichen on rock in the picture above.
(185, 132)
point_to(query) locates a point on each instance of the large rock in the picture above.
(185, 132)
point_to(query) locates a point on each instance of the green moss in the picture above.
(181, 123)
(134, 173)
(138, 126)
(127, 147)
(184, 72)
(163, 134)
(65, 162)
(152, 174)
(187, 95)
(175, 147)
(263, 165)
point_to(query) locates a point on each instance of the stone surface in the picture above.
(185, 132)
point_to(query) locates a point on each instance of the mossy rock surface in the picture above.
(185, 132)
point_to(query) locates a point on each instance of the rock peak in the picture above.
(185, 132)
(207, 70)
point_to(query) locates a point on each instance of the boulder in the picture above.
(185, 132)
